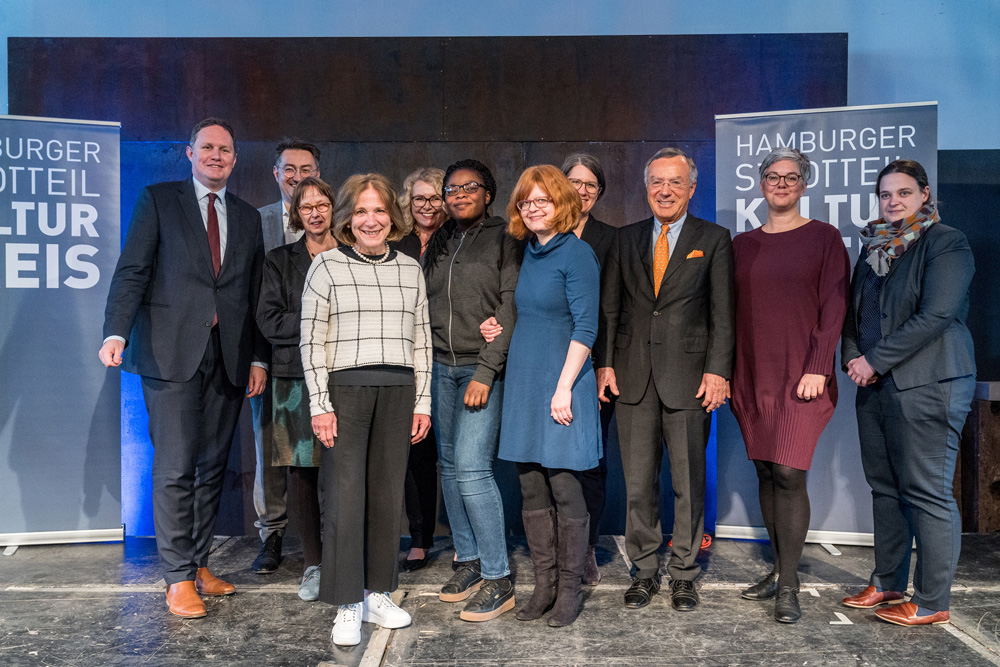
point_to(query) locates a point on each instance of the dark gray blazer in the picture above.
(679, 335)
(271, 225)
(164, 293)
(924, 303)
(279, 310)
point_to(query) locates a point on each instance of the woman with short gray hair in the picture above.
(784, 383)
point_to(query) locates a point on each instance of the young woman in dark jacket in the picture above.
(471, 265)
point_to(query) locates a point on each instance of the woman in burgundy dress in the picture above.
(792, 278)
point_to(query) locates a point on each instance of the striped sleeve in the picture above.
(315, 326)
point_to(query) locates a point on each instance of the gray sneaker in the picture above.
(309, 588)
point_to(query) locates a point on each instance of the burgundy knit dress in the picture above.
(791, 299)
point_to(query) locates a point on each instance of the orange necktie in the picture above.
(661, 256)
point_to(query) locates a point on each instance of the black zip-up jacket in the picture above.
(474, 280)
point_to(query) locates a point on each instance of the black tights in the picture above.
(784, 502)
(540, 486)
(303, 501)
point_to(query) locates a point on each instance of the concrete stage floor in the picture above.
(103, 604)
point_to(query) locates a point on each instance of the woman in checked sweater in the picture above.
(366, 356)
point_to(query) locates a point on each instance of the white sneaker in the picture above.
(347, 626)
(379, 608)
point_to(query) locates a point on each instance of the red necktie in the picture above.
(214, 243)
(213, 233)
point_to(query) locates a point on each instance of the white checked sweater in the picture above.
(356, 314)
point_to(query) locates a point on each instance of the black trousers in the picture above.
(421, 492)
(643, 428)
(191, 425)
(362, 479)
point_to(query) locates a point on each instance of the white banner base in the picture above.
(63, 537)
(814, 536)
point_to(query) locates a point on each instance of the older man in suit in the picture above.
(294, 160)
(180, 313)
(665, 348)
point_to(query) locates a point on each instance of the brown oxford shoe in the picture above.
(209, 584)
(870, 598)
(906, 614)
(183, 600)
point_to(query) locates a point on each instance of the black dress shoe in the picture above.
(269, 557)
(414, 564)
(683, 596)
(641, 592)
(786, 607)
(765, 589)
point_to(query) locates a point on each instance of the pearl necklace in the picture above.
(364, 257)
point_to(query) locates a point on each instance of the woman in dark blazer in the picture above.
(586, 174)
(906, 346)
(279, 312)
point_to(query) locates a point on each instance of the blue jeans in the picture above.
(467, 445)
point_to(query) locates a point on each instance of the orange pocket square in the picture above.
(695, 253)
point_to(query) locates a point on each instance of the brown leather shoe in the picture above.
(209, 584)
(906, 614)
(870, 598)
(183, 600)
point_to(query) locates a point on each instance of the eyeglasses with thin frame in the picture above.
(790, 180)
(434, 202)
(675, 184)
(590, 186)
(290, 171)
(469, 188)
(539, 202)
(305, 210)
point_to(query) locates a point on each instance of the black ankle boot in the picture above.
(765, 589)
(786, 607)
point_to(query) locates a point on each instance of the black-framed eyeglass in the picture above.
(469, 188)
(434, 202)
(772, 178)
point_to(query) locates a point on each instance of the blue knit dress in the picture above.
(557, 301)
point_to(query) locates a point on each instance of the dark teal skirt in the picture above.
(293, 441)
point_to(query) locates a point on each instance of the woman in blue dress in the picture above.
(551, 423)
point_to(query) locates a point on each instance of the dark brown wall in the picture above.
(392, 105)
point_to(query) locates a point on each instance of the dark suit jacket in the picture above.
(679, 335)
(279, 311)
(924, 303)
(164, 292)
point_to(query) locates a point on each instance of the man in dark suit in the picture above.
(665, 348)
(294, 160)
(180, 313)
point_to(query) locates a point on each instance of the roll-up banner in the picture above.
(848, 146)
(60, 410)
